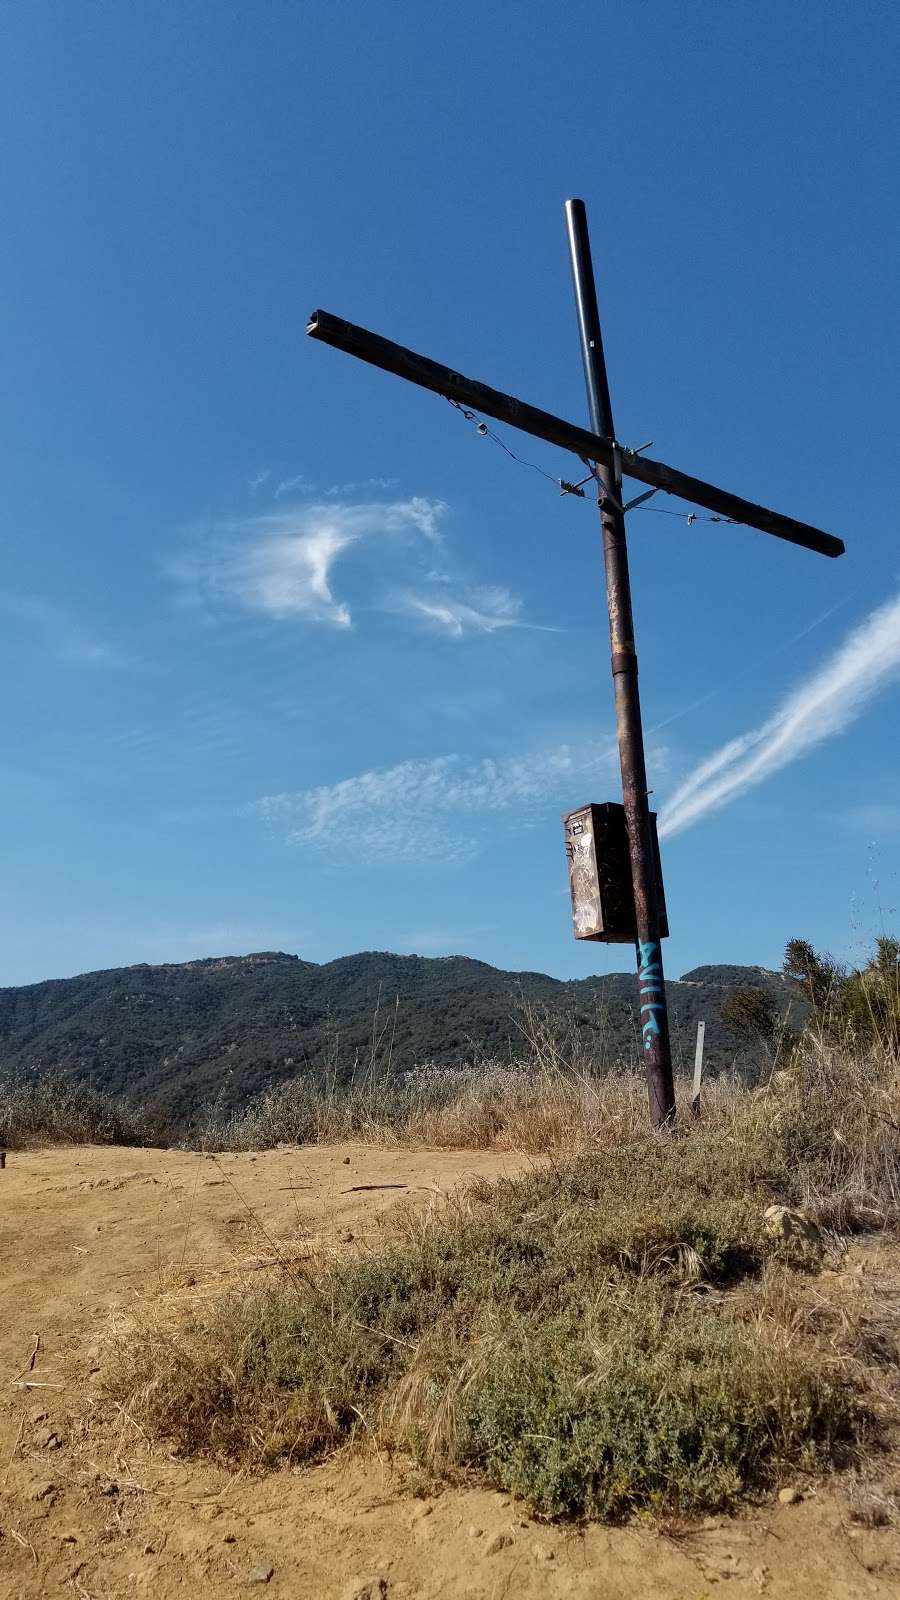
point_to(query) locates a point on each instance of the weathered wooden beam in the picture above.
(589, 446)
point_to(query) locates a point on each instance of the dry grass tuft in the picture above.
(50, 1109)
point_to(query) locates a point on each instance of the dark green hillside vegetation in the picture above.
(182, 1036)
(622, 1330)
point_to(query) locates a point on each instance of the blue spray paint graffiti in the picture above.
(650, 983)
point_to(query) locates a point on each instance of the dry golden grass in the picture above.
(47, 1109)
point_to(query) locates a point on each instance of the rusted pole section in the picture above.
(654, 1011)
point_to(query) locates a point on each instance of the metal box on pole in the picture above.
(600, 875)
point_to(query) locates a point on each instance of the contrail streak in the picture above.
(751, 666)
(825, 704)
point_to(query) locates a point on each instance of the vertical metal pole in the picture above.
(654, 1011)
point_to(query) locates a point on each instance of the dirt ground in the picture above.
(88, 1509)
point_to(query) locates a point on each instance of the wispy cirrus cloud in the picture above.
(826, 703)
(483, 609)
(430, 810)
(280, 564)
(299, 484)
(364, 486)
(59, 632)
(287, 485)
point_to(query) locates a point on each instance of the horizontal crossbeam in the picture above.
(589, 446)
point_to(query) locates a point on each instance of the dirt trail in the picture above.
(87, 1509)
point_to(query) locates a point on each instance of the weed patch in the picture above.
(599, 1335)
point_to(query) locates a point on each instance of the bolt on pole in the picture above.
(651, 981)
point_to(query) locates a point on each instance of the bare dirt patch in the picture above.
(87, 1508)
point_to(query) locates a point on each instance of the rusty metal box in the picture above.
(600, 874)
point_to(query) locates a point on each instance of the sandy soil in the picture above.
(88, 1509)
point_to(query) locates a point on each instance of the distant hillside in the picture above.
(182, 1035)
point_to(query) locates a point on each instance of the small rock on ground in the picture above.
(367, 1589)
(783, 1223)
(261, 1574)
(789, 1496)
(500, 1541)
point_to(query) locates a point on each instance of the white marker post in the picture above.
(698, 1069)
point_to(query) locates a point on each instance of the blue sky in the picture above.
(291, 656)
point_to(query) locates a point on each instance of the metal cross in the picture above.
(609, 462)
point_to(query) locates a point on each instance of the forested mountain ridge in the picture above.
(182, 1035)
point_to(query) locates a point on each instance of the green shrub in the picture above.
(597, 1415)
(858, 1007)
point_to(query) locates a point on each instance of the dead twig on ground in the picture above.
(366, 1188)
(29, 1367)
(380, 1333)
(25, 1543)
